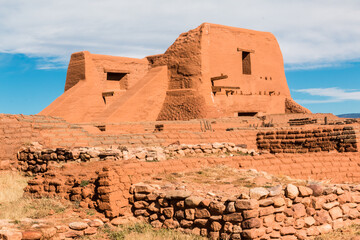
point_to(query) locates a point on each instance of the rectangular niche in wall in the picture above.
(246, 114)
(118, 76)
(246, 63)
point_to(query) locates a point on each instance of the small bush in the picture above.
(84, 183)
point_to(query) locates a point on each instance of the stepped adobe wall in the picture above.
(212, 71)
(53, 132)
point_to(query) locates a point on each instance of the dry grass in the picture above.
(225, 175)
(14, 206)
(11, 186)
(141, 231)
(346, 233)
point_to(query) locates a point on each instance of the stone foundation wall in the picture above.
(341, 139)
(292, 212)
(36, 159)
(109, 182)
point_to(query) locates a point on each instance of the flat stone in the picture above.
(233, 217)
(335, 213)
(186, 223)
(266, 202)
(189, 214)
(74, 234)
(330, 205)
(202, 213)
(177, 194)
(258, 193)
(90, 231)
(48, 233)
(322, 217)
(143, 188)
(245, 204)
(325, 228)
(119, 221)
(301, 234)
(291, 191)
(96, 223)
(217, 145)
(141, 204)
(31, 235)
(217, 208)
(156, 224)
(275, 190)
(215, 226)
(201, 222)
(299, 210)
(305, 191)
(317, 189)
(266, 211)
(10, 234)
(278, 202)
(193, 201)
(309, 221)
(338, 223)
(231, 207)
(251, 223)
(168, 212)
(250, 213)
(287, 231)
(312, 231)
(171, 224)
(78, 226)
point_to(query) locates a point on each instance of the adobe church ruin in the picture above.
(212, 71)
(209, 72)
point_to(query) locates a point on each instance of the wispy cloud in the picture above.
(311, 33)
(331, 94)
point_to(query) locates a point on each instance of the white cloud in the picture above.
(311, 33)
(332, 94)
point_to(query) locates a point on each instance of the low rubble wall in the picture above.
(36, 159)
(106, 186)
(292, 212)
(341, 139)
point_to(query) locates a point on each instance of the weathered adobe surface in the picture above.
(292, 107)
(289, 212)
(183, 59)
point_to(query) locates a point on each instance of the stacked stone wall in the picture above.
(341, 139)
(110, 181)
(292, 212)
(36, 159)
(21, 130)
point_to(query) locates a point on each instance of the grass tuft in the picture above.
(141, 231)
(11, 186)
(342, 233)
(14, 206)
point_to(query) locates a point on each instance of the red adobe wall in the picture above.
(203, 74)
(19, 130)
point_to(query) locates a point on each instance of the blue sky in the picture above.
(319, 40)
